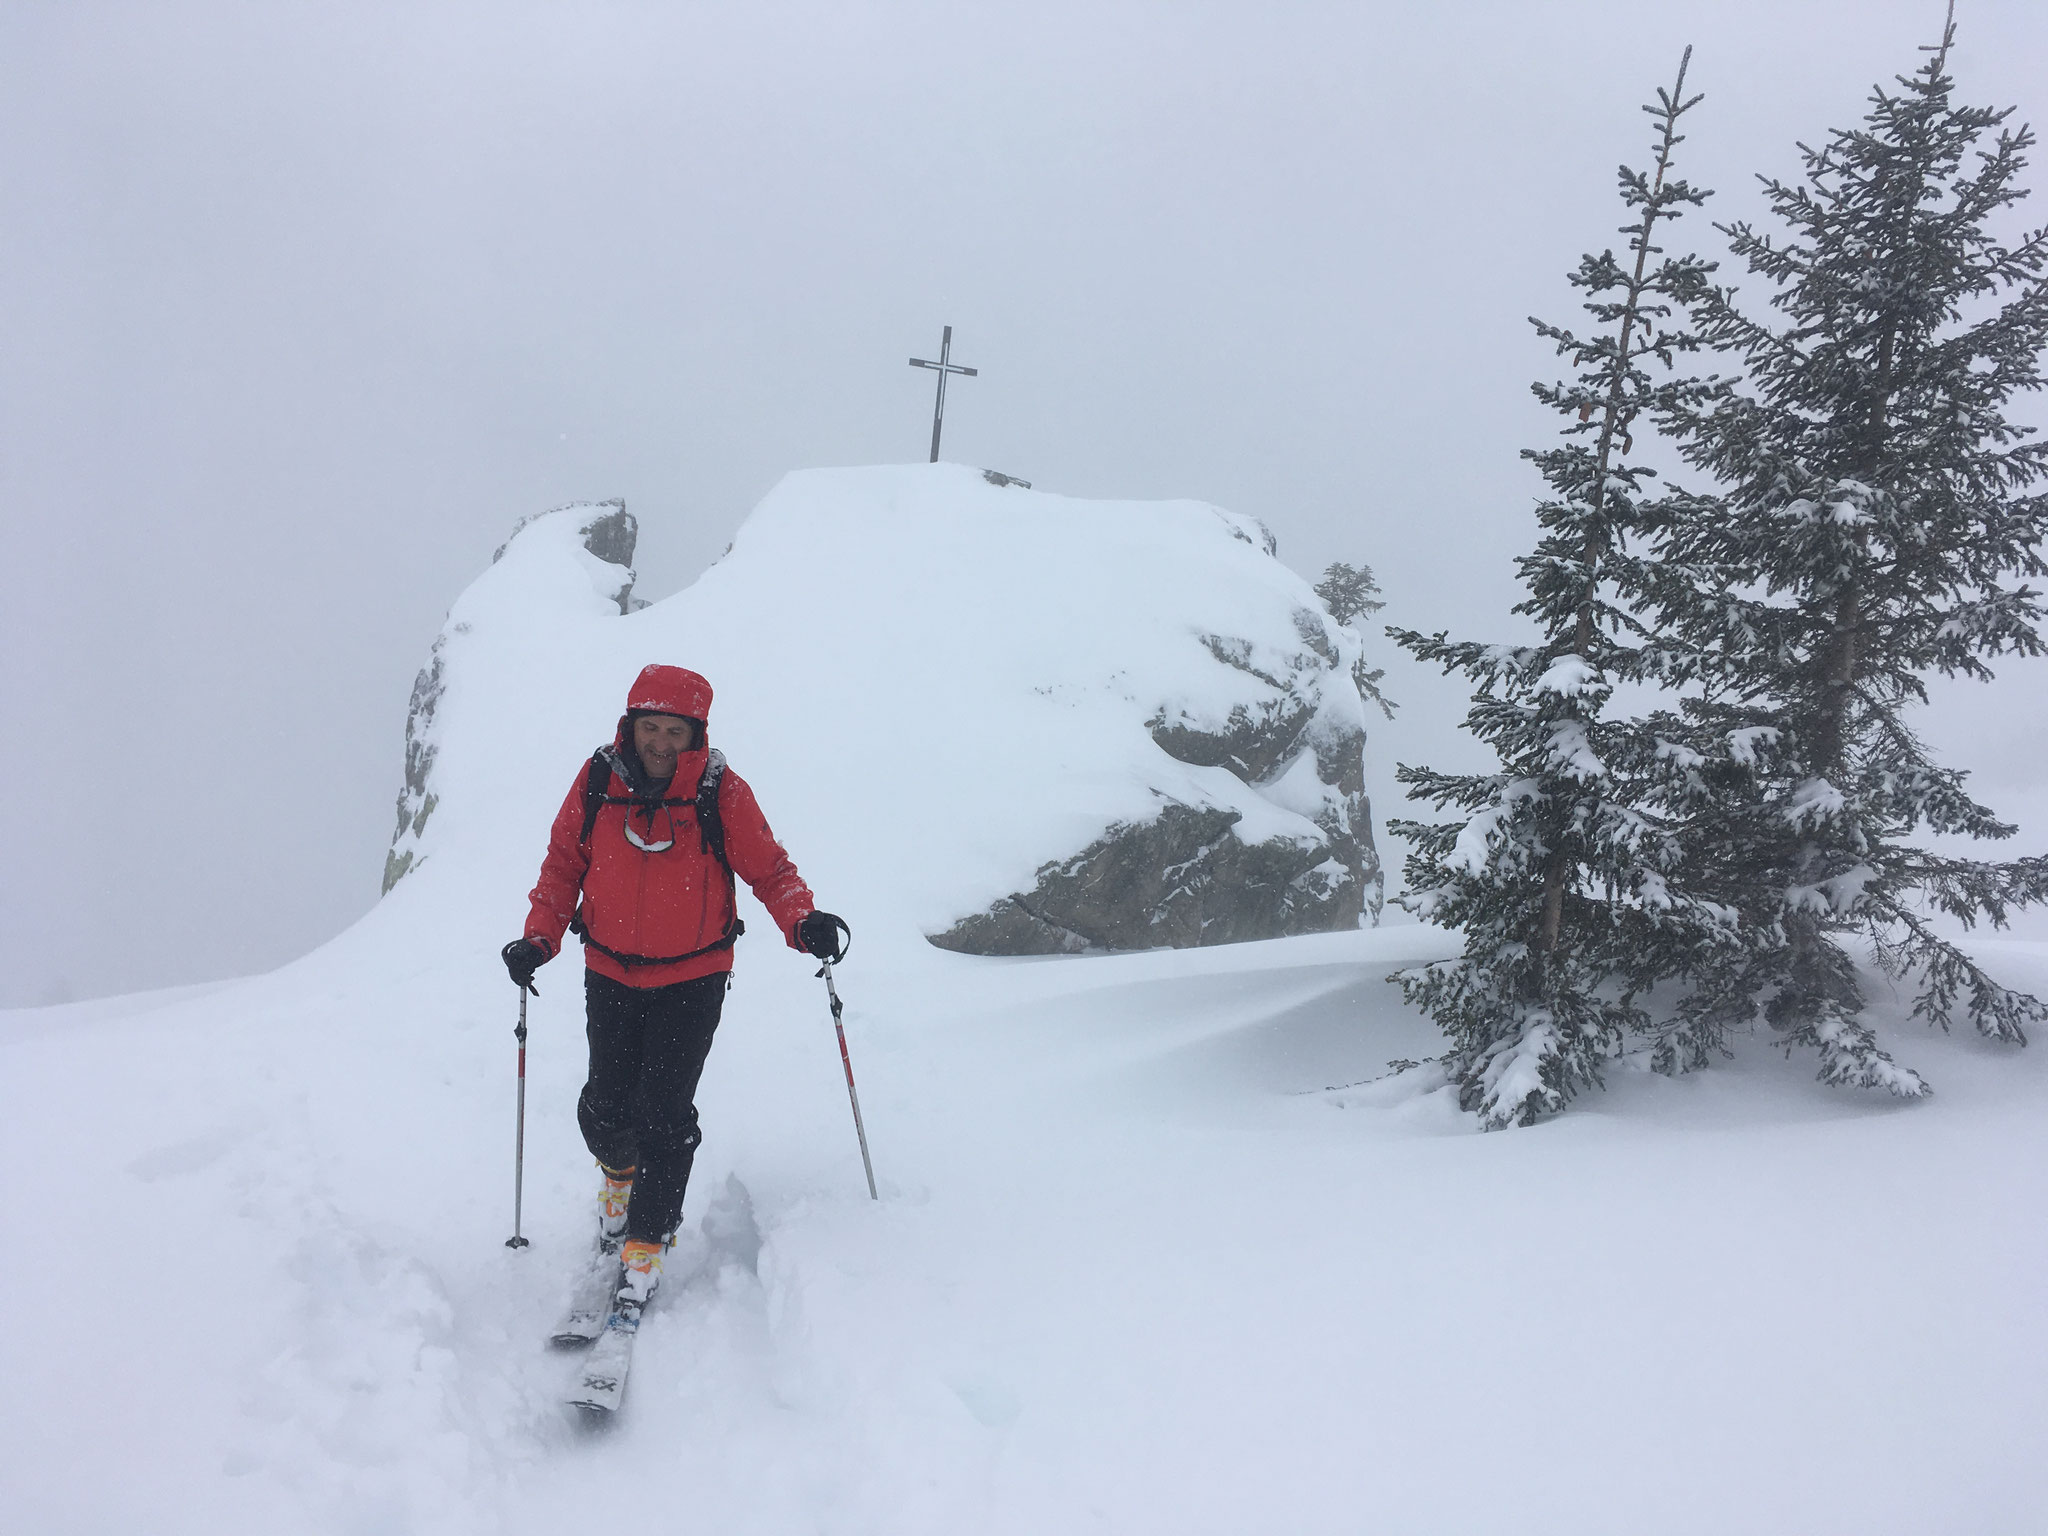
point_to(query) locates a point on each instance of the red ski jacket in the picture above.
(657, 900)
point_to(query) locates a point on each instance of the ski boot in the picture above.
(590, 1303)
(611, 1207)
(641, 1271)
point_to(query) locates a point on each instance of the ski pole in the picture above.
(846, 1061)
(519, 1138)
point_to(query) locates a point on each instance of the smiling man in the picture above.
(641, 863)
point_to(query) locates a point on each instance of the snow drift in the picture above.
(1126, 724)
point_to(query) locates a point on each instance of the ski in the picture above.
(590, 1303)
(597, 1395)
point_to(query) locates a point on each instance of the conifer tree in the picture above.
(1564, 869)
(1877, 516)
(1351, 593)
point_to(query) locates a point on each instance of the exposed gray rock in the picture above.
(610, 532)
(1180, 881)
(415, 800)
(1187, 877)
(1249, 530)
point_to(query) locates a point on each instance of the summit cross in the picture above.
(944, 366)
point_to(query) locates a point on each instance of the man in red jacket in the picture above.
(634, 864)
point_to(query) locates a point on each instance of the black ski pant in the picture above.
(638, 1110)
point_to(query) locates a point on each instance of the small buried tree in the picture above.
(1351, 593)
(1565, 870)
(1876, 508)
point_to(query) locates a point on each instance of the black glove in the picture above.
(825, 936)
(522, 958)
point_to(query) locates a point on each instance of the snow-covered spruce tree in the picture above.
(1876, 508)
(1351, 593)
(1561, 871)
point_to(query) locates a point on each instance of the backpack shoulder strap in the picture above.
(710, 827)
(710, 824)
(596, 778)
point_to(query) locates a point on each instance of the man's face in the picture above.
(659, 739)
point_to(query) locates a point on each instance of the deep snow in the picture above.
(1137, 1267)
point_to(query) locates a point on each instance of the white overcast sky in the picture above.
(302, 306)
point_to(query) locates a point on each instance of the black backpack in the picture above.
(710, 831)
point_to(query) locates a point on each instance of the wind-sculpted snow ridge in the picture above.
(1013, 721)
(595, 539)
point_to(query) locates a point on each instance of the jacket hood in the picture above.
(663, 690)
(670, 691)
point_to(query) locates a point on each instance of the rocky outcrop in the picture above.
(416, 799)
(1183, 880)
(607, 532)
(1195, 874)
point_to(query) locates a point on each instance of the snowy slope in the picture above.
(1126, 1275)
(1136, 1268)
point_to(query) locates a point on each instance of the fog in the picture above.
(305, 306)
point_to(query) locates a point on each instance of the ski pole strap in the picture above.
(845, 940)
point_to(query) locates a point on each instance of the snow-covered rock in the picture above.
(1214, 865)
(596, 538)
(1022, 723)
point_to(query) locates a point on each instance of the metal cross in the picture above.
(944, 365)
